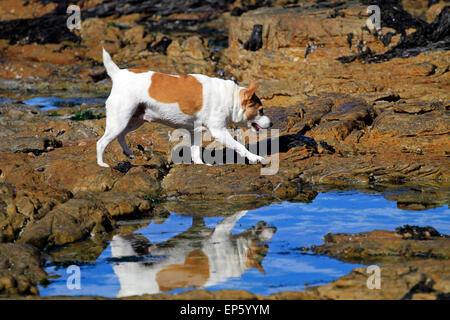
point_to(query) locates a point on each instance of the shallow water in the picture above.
(52, 102)
(229, 253)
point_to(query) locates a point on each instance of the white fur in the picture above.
(221, 105)
(226, 257)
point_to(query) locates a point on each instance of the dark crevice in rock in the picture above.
(390, 98)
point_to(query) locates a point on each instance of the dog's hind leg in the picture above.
(134, 124)
(115, 125)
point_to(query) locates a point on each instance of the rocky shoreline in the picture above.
(358, 125)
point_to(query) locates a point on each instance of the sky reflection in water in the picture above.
(235, 262)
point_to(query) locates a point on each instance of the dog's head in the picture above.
(253, 109)
(257, 247)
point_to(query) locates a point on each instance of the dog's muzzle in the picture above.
(260, 123)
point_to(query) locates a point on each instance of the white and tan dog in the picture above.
(213, 256)
(178, 101)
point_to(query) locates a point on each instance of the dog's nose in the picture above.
(271, 124)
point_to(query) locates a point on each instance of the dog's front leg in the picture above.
(225, 227)
(196, 148)
(223, 136)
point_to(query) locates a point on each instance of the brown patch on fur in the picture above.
(193, 273)
(251, 111)
(251, 108)
(137, 70)
(187, 91)
(252, 257)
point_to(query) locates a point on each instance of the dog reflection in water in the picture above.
(199, 257)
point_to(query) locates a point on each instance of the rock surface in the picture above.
(358, 124)
(20, 269)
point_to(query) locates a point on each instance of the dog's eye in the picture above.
(261, 112)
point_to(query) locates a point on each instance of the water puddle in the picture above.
(254, 250)
(54, 102)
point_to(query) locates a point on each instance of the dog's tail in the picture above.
(111, 68)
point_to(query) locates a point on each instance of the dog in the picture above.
(139, 95)
(211, 257)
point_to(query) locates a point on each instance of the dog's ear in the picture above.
(250, 91)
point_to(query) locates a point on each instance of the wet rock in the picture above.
(409, 268)
(94, 29)
(394, 130)
(413, 109)
(288, 32)
(420, 199)
(369, 246)
(193, 47)
(216, 208)
(196, 48)
(37, 146)
(20, 269)
(134, 35)
(122, 205)
(426, 38)
(404, 281)
(42, 29)
(418, 233)
(200, 294)
(140, 180)
(20, 207)
(308, 115)
(344, 170)
(79, 252)
(71, 221)
(232, 182)
(24, 9)
(45, 29)
(118, 7)
(335, 123)
(343, 120)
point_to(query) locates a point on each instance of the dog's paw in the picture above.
(253, 158)
(104, 165)
(129, 155)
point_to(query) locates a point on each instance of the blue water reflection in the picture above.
(240, 252)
